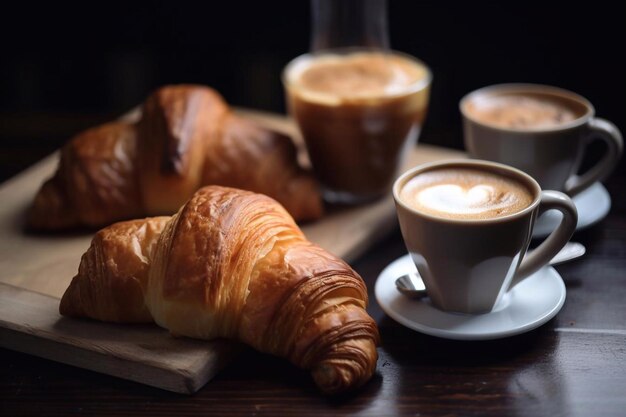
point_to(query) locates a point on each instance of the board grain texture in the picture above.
(36, 269)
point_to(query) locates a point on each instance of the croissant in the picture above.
(232, 264)
(186, 138)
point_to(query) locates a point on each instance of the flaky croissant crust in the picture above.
(233, 264)
(187, 137)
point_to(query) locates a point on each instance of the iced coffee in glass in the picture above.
(358, 111)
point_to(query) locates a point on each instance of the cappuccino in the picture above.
(541, 130)
(357, 112)
(465, 193)
(522, 111)
(467, 225)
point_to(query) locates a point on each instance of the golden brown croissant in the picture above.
(186, 138)
(233, 264)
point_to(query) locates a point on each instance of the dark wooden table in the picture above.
(575, 365)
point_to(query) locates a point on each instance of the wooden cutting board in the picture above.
(35, 270)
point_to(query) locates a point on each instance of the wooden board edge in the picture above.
(48, 349)
(27, 339)
(382, 230)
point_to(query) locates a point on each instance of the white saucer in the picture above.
(530, 304)
(593, 205)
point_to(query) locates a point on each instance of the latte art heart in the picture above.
(464, 193)
(452, 198)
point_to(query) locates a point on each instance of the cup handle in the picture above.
(609, 133)
(534, 260)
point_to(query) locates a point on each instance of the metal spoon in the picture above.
(412, 286)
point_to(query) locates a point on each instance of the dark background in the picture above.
(67, 67)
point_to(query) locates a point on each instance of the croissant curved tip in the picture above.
(304, 199)
(338, 378)
(68, 307)
(50, 209)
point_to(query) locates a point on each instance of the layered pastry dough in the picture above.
(233, 264)
(187, 137)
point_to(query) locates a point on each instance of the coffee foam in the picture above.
(521, 111)
(463, 193)
(336, 78)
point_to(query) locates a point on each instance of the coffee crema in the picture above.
(333, 78)
(465, 193)
(521, 111)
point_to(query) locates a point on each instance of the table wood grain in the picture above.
(575, 365)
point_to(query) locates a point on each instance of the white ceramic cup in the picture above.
(551, 155)
(469, 264)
